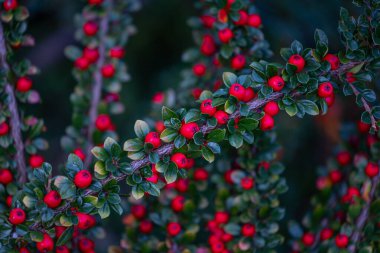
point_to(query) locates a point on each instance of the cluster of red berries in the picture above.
(341, 240)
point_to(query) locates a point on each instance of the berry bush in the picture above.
(203, 172)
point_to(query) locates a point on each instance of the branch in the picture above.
(98, 82)
(15, 121)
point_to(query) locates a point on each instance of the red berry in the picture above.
(188, 130)
(62, 249)
(371, 170)
(52, 199)
(23, 250)
(179, 159)
(196, 92)
(222, 217)
(36, 161)
(247, 183)
(208, 46)
(333, 60)
(91, 54)
(17, 216)
(85, 221)
(24, 84)
(223, 16)
(298, 61)
(326, 234)
(325, 90)
(79, 152)
(308, 239)
(83, 179)
(95, 2)
(182, 185)
(207, 108)
(138, 211)
(146, 226)
(160, 126)
(108, 71)
(350, 77)
(271, 108)
(225, 35)
(208, 21)
(153, 179)
(85, 245)
(4, 128)
(46, 245)
(8, 200)
(153, 138)
(363, 127)
(117, 52)
(90, 28)
(173, 228)
(199, 69)
(248, 230)
(341, 241)
(178, 203)
(81, 63)
(237, 91)
(249, 94)
(330, 100)
(343, 158)
(221, 117)
(276, 82)
(335, 176)
(254, 20)
(103, 122)
(6, 176)
(217, 247)
(158, 98)
(59, 230)
(200, 174)
(243, 18)
(266, 123)
(350, 194)
(10, 5)
(238, 62)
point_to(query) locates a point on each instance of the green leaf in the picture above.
(66, 188)
(167, 113)
(369, 95)
(214, 147)
(303, 77)
(104, 211)
(36, 236)
(99, 153)
(320, 36)
(141, 128)
(216, 135)
(296, 47)
(74, 163)
(236, 140)
(232, 228)
(133, 145)
(137, 192)
(168, 135)
(229, 107)
(310, 107)
(229, 78)
(171, 173)
(179, 141)
(248, 124)
(207, 154)
(66, 236)
(291, 109)
(192, 115)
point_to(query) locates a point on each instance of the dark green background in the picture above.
(154, 60)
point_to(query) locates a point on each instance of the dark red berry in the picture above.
(154, 139)
(276, 82)
(17, 216)
(83, 179)
(298, 61)
(207, 108)
(52, 199)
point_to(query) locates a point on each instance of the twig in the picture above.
(15, 121)
(98, 82)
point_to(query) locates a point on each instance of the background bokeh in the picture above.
(154, 61)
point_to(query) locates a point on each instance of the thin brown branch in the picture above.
(15, 121)
(96, 90)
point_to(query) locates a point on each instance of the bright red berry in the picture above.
(81, 63)
(208, 46)
(223, 16)
(298, 61)
(333, 60)
(208, 21)
(182, 185)
(249, 94)
(108, 70)
(248, 230)
(237, 91)
(154, 139)
(90, 28)
(85, 245)
(276, 82)
(225, 35)
(200, 174)
(85, 221)
(10, 5)
(221, 117)
(95, 2)
(103, 122)
(52, 199)
(4, 128)
(363, 127)
(91, 54)
(343, 158)
(179, 159)
(341, 241)
(371, 170)
(46, 245)
(178, 203)
(350, 194)
(146, 226)
(83, 179)
(6, 176)
(221, 217)
(326, 234)
(254, 20)
(335, 176)
(17, 216)
(173, 228)
(117, 52)
(308, 239)
(271, 108)
(238, 62)
(24, 84)
(243, 18)
(160, 126)
(266, 123)
(325, 90)
(207, 108)
(247, 183)
(199, 69)
(23, 250)
(188, 130)
(138, 211)
(79, 152)
(36, 161)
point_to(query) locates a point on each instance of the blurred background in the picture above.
(154, 60)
